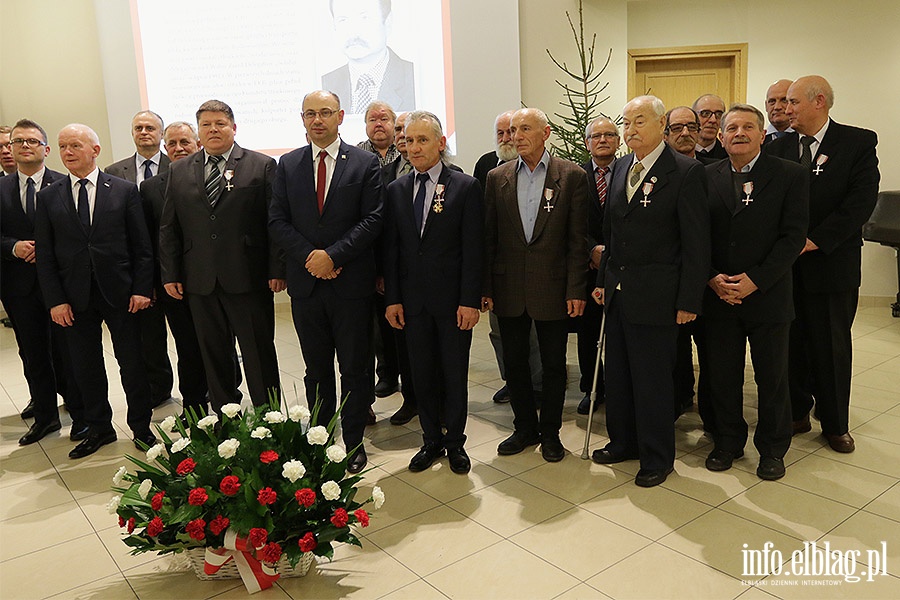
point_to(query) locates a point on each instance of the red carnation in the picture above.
(266, 496)
(306, 497)
(131, 525)
(308, 542)
(340, 518)
(121, 521)
(361, 516)
(155, 527)
(257, 537)
(186, 466)
(229, 485)
(219, 524)
(196, 529)
(268, 456)
(198, 497)
(156, 501)
(270, 553)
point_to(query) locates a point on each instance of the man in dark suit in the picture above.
(710, 108)
(95, 265)
(652, 275)
(373, 71)
(535, 273)
(601, 137)
(146, 162)
(41, 343)
(434, 241)
(776, 103)
(181, 140)
(215, 249)
(843, 191)
(7, 160)
(758, 207)
(326, 214)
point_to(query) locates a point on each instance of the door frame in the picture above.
(737, 52)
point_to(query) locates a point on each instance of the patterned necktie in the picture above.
(213, 179)
(419, 201)
(805, 152)
(147, 172)
(29, 199)
(320, 181)
(364, 94)
(84, 208)
(601, 184)
(405, 168)
(635, 174)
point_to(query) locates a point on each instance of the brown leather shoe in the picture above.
(803, 425)
(841, 443)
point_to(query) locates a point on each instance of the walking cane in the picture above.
(590, 415)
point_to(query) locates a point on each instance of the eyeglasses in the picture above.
(705, 114)
(33, 142)
(676, 128)
(325, 113)
(603, 134)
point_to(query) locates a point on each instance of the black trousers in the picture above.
(684, 372)
(155, 347)
(191, 372)
(392, 354)
(588, 334)
(219, 318)
(821, 353)
(639, 391)
(439, 356)
(552, 340)
(85, 340)
(327, 324)
(769, 353)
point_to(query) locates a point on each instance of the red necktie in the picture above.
(320, 181)
(601, 184)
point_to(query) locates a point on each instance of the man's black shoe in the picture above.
(721, 460)
(585, 405)
(552, 449)
(160, 400)
(425, 457)
(517, 442)
(501, 396)
(385, 388)
(28, 413)
(652, 477)
(145, 437)
(605, 457)
(770, 468)
(404, 415)
(92, 443)
(358, 461)
(38, 431)
(78, 432)
(459, 460)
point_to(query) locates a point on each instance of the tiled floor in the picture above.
(516, 527)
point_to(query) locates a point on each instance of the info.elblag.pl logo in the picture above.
(814, 564)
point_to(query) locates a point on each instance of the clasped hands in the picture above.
(732, 288)
(320, 265)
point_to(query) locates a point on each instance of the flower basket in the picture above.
(255, 494)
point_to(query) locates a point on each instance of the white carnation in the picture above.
(208, 421)
(335, 453)
(119, 476)
(180, 444)
(317, 435)
(231, 409)
(377, 497)
(274, 416)
(168, 424)
(331, 490)
(260, 433)
(298, 413)
(113, 505)
(228, 448)
(293, 470)
(144, 488)
(154, 451)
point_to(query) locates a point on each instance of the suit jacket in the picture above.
(761, 238)
(200, 245)
(350, 222)
(440, 270)
(153, 196)
(115, 251)
(659, 252)
(125, 168)
(398, 87)
(716, 153)
(842, 196)
(595, 211)
(17, 277)
(540, 275)
(485, 164)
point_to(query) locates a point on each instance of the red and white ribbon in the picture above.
(255, 574)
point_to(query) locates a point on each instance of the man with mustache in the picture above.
(710, 108)
(776, 103)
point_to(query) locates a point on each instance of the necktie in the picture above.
(635, 174)
(364, 93)
(213, 179)
(601, 184)
(29, 199)
(84, 209)
(405, 168)
(147, 172)
(805, 152)
(419, 201)
(320, 181)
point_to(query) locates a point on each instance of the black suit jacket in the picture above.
(153, 196)
(761, 238)
(17, 277)
(200, 245)
(441, 270)
(716, 153)
(398, 88)
(347, 228)
(125, 168)
(486, 163)
(115, 251)
(842, 196)
(659, 252)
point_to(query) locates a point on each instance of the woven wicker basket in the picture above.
(197, 558)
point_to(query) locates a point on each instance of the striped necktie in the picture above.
(213, 179)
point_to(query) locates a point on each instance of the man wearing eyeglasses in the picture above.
(683, 130)
(7, 161)
(42, 348)
(710, 108)
(325, 212)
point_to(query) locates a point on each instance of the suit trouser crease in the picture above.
(534, 353)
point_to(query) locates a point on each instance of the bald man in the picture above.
(776, 103)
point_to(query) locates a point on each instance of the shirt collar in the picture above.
(749, 166)
(225, 155)
(545, 160)
(596, 166)
(139, 160)
(37, 178)
(649, 160)
(331, 149)
(92, 177)
(434, 172)
(771, 129)
(820, 135)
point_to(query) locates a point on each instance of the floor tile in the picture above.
(887, 504)
(160, 579)
(652, 512)
(874, 536)
(115, 587)
(882, 427)
(694, 480)
(441, 483)
(417, 590)
(402, 501)
(42, 529)
(582, 592)
(573, 479)
(18, 469)
(29, 496)
(835, 480)
(870, 453)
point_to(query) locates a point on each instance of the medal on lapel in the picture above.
(229, 174)
(646, 190)
(748, 189)
(438, 198)
(548, 196)
(821, 160)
